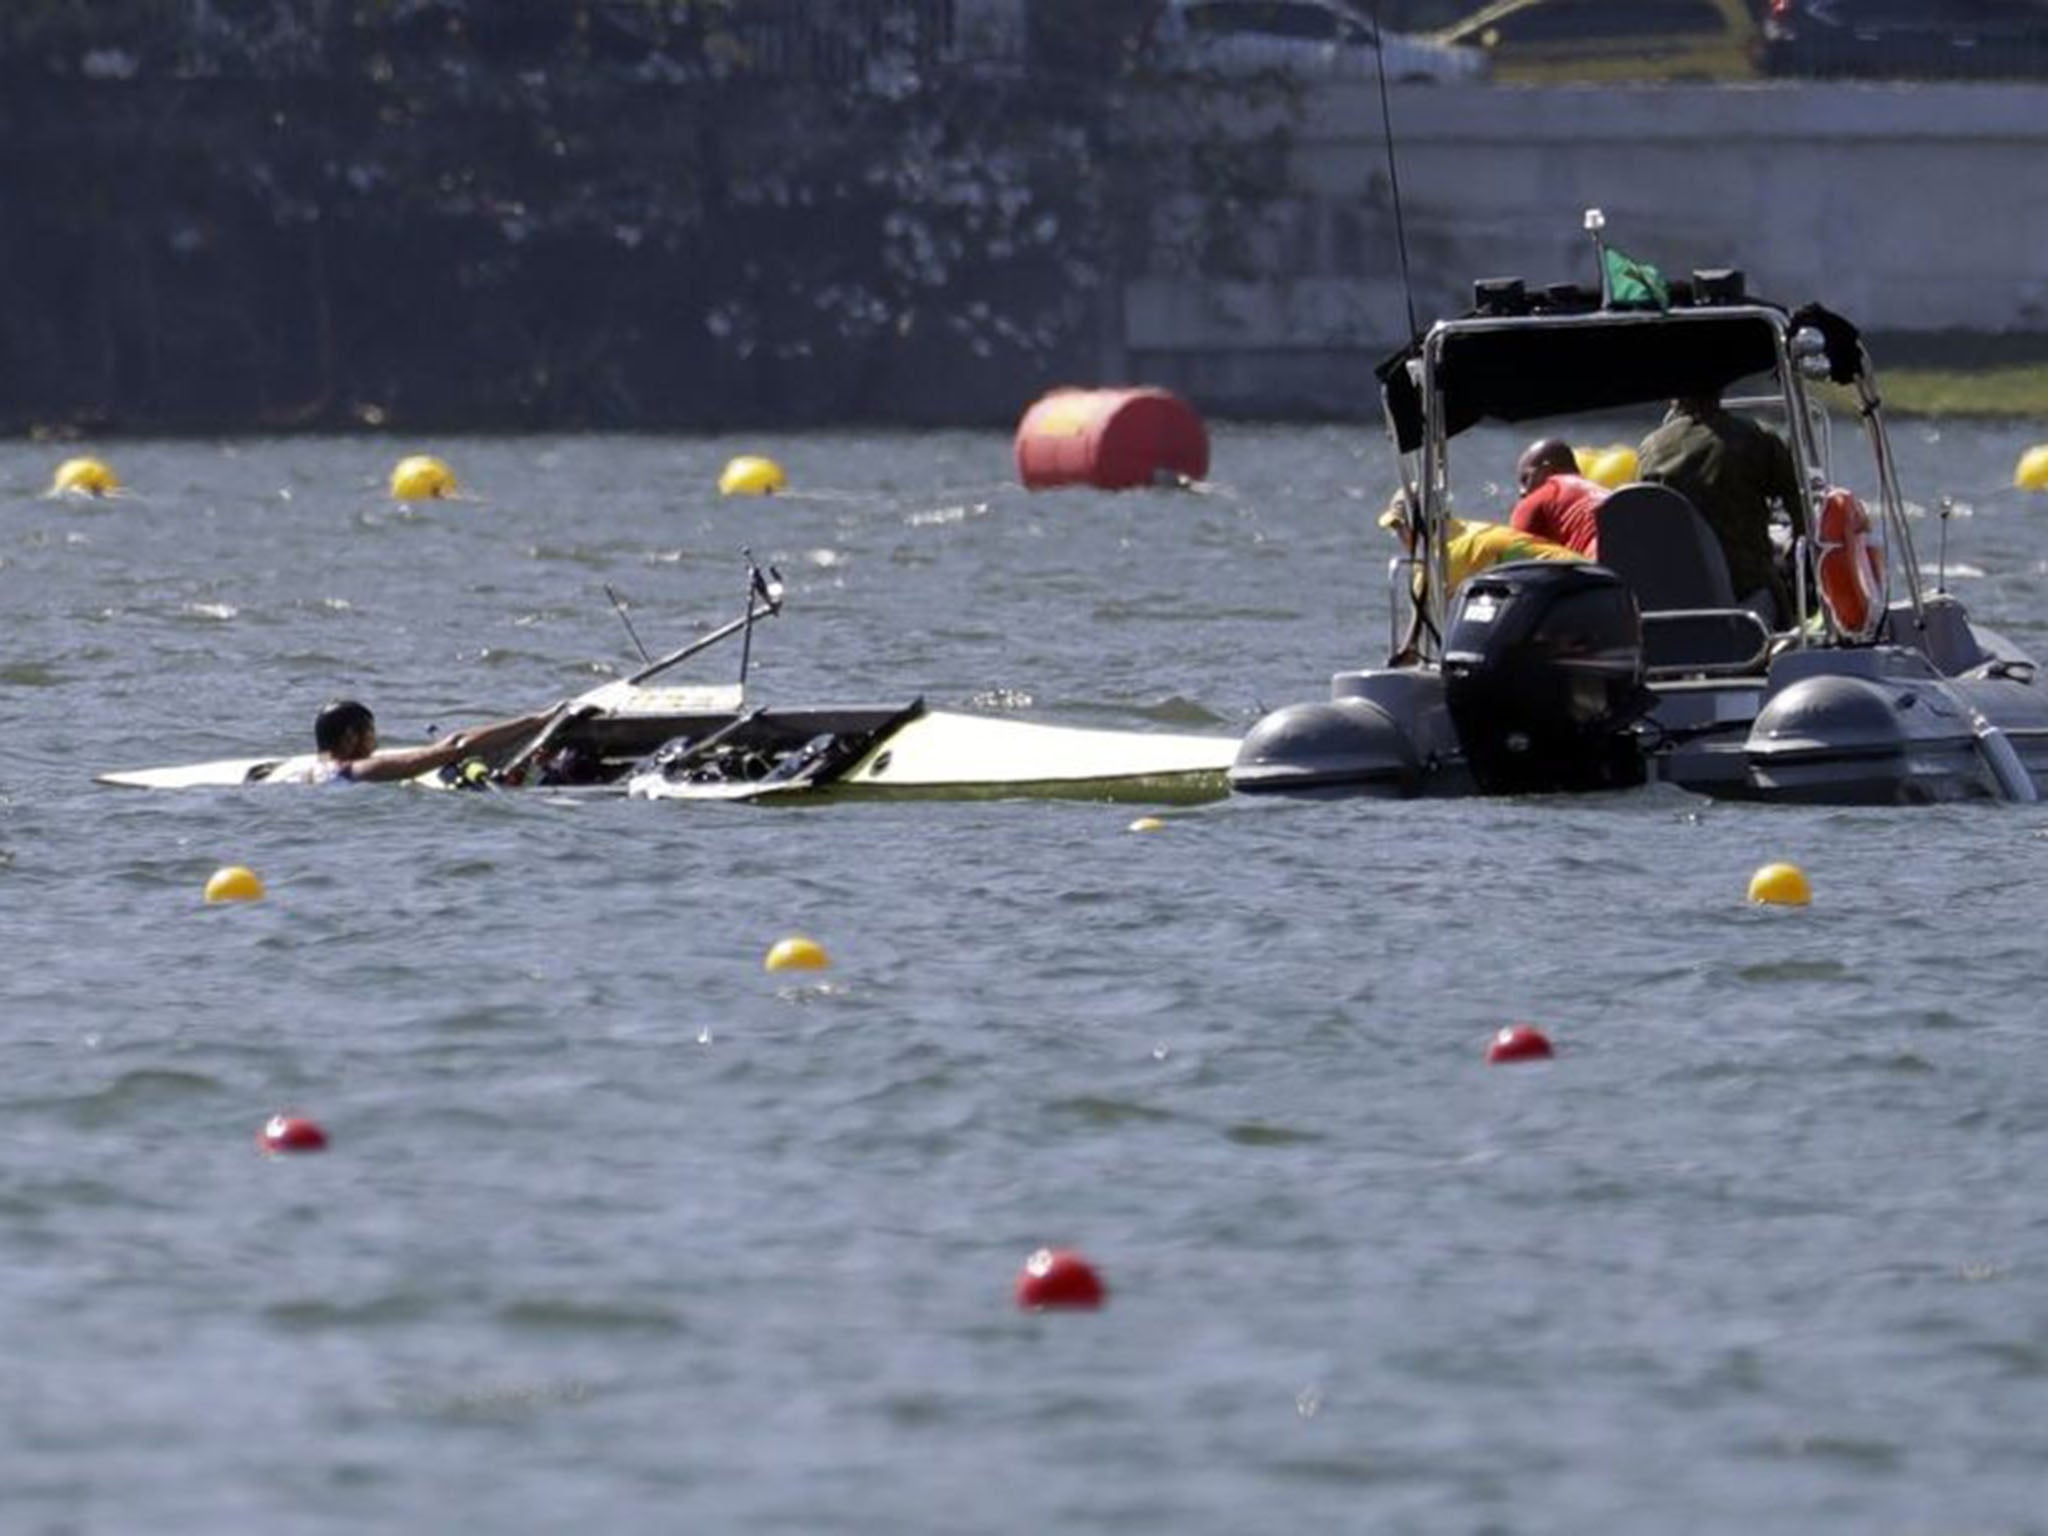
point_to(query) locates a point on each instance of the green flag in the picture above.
(1633, 284)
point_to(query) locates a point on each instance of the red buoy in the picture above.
(1519, 1042)
(291, 1133)
(1112, 439)
(1059, 1277)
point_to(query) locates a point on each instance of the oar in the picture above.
(769, 589)
(631, 633)
(572, 709)
(684, 653)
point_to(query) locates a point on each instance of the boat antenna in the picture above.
(769, 589)
(632, 634)
(1596, 225)
(1948, 507)
(1379, 54)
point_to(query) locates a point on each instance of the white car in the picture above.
(1301, 37)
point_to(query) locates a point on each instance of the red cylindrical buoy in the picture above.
(1112, 439)
(1059, 1277)
(1519, 1042)
(291, 1133)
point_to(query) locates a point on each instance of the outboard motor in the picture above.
(1543, 676)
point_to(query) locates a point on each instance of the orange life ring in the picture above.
(1851, 566)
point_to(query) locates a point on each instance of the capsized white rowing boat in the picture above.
(658, 742)
(904, 752)
(939, 754)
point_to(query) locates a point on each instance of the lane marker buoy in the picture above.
(422, 477)
(234, 882)
(752, 475)
(2031, 473)
(1059, 1278)
(1613, 466)
(1519, 1042)
(797, 953)
(1780, 885)
(291, 1133)
(84, 477)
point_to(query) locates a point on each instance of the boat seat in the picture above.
(1656, 541)
(1653, 539)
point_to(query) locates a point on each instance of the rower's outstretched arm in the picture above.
(478, 740)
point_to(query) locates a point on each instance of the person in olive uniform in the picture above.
(1733, 471)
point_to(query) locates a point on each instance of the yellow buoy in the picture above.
(234, 883)
(422, 477)
(1612, 466)
(797, 953)
(752, 475)
(84, 477)
(1148, 824)
(2031, 473)
(1780, 885)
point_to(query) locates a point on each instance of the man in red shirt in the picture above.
(1557, 501)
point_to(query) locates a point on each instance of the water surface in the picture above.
(618, 1228)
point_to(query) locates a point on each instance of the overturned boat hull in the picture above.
(866, 752)
(936, 754)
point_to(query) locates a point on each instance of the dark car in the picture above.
(1907, 39)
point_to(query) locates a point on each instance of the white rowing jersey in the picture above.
(315, 768)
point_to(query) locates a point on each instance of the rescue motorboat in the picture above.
(1550, 676)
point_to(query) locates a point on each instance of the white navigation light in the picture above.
(1810, 351)
(1595, 221)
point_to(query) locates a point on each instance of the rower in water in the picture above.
(345, 733)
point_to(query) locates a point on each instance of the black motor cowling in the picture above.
(1543, 675)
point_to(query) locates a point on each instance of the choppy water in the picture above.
(618, 1228)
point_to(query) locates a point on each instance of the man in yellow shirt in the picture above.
(1470, 546)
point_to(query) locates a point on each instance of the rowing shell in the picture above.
(940, 755)
(921, 754)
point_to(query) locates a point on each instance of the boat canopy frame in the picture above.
(1564, 361)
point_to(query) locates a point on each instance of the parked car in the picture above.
(1561, 40)
(1911, 39)
(1300, 37)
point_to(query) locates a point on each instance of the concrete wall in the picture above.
(1913, 209)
